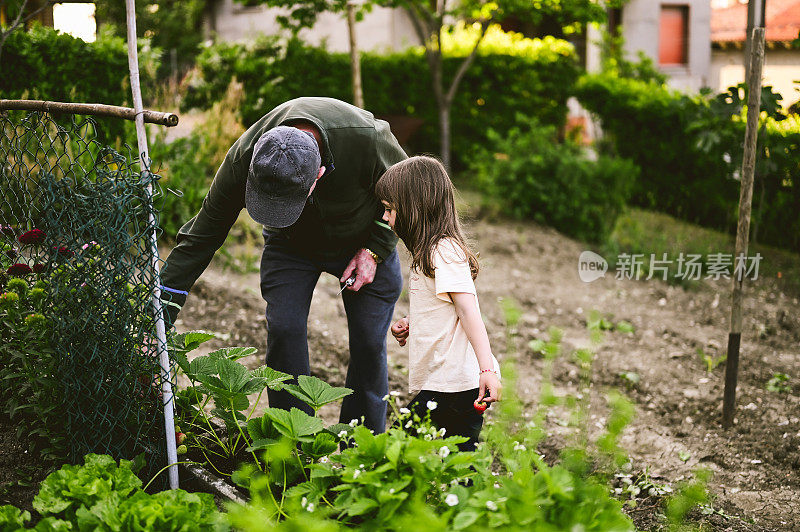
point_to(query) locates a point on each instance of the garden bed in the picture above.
(677, 427)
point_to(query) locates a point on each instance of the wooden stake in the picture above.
(743, 229)
(92, 109)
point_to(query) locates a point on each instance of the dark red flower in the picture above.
(63, 251)
(39, 267)
(19, 269)
(34, 236)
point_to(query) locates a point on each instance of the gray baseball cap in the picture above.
(285, 163)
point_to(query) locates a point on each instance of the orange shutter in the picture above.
(673, 35)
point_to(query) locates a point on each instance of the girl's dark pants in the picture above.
(288, 279)
(454, 412)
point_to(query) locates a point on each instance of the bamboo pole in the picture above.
(743, 229)
(161, 333)
(93, 109)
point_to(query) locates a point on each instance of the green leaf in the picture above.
(294, 424)
(323, 445)
(262, 443)
(316, 392)
(233, 353)
(361, 506)
(232, 374)
(465, 519)
(271, 377)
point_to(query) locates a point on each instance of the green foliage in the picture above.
(28, 361)
(711, 362)
(49, 65)
(532, 176)
(168, 24)
(101, 495)
(689, 150)
(779, 382)
(535, 82)
(187, 165)
(689, 495)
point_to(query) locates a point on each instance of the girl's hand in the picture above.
(489, 387)
(400, 331)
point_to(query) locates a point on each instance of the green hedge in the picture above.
(47, 65)
(493, 90)
(530, 175)
(689, 150)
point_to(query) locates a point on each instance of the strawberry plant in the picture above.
(220, 378)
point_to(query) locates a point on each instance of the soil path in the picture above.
(677, 427)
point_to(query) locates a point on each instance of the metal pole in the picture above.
(161, 333)
(743, 229)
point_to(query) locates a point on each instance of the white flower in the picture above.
(391, 490)
(323, 460)
(409, 423)
(451, 500)
(303, 502)
(394, 393)
(405, 410)
(342, 434)
(385, 397)
(361, 466)
(518, 446)
(353, 422)
(444, 451)
(491, 505)
(432, 406)
(497, 485)
(428, 437)
(310, 507)
(421, 459)
(442, 432)
(356, 473)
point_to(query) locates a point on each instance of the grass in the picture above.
(647, 232)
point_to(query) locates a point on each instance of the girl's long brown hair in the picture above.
(421, 192)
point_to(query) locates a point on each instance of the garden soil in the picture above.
(677, 429)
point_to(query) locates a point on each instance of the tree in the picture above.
(432, 18)
(174, 26)
(17, 13)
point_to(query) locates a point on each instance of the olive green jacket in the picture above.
(341, 215)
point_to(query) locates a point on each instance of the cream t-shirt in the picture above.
(440, 356)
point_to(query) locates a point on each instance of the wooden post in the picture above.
(756, 13)
(355, 60)
(743, 229)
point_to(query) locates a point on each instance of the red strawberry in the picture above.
(480, 406)
(179, 437)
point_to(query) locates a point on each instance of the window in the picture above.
(673, 35)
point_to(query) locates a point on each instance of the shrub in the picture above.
(536, 81)
(532, 176)
(689, 150)
(187, 165)
(49, 65)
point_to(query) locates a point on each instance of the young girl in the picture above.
(451, 366)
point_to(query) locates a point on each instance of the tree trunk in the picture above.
(355, 62)
(444, 133)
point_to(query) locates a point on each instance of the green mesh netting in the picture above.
(75, 228)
